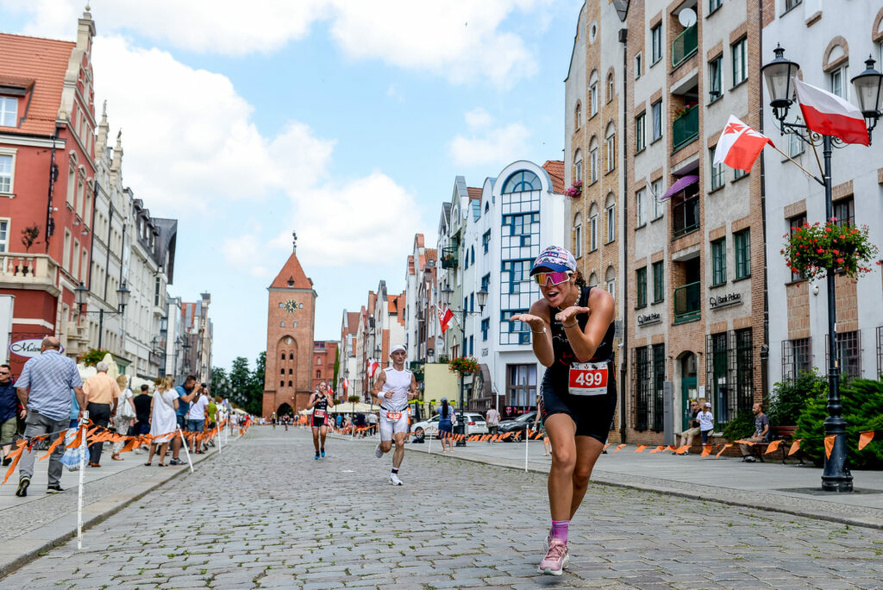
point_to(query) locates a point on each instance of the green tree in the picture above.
(255, 404)
(336, 370)
(240, 381)
(220, 383)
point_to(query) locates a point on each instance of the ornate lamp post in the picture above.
(82, 294)
(481, 296)
(778, 75)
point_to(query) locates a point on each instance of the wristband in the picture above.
(573, 325)
(542, 332)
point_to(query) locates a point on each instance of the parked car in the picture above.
(475, 424)
(520, 424)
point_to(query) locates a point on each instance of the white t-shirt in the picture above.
(197, 408)
(706, 420)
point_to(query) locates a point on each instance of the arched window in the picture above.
(593, 280)
(578, 115)
(594, 97)
(281, 371)
(593, 227)
(318, 374)
(578, 166)
(291, 355)
(593, 160)
(610, 280)
(283, 356)
(282, 384)
(291, 371)
(318, 360)
(521, 182)
(610, 140)
(610, 87)
(578, 235)
(610, 209)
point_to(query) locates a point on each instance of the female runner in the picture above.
(572, 328)
(320, 402)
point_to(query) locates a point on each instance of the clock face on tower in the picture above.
(290, 306)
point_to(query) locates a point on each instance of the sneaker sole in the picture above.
(54, 491)
(22, 490)
(550, 572)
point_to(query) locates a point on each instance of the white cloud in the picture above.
(461, 40)
(243, 252)
(495, 146)
(478, 118)
(196, 143)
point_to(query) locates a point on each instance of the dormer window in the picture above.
(8, 111)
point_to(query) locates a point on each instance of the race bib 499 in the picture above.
(587, 379)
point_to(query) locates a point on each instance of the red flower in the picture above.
(840, 261)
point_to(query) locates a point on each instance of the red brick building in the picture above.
(324, 356)
(47, 186)
(291, 322)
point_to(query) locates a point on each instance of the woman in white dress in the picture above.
(162, 419)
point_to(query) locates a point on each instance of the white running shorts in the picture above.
(392, 423)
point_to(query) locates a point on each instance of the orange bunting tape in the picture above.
(772, 447)
(864, 438)
(829, 445)
(724, 448)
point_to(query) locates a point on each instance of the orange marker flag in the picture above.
(795, 446)
(15, 456)
(864, 438)
(78, 439)
(743, 441)
(682, 449)
(640, 448)
(829, 445)
(130, 445)
(605, 447)
(507, 435)
(724, 448)
(657, 449)
(772, 446)
(671, 448)
(58, 440)
(619, 447)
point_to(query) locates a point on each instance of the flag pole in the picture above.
(796, 163)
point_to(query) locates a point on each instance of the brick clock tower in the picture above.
(290, 327)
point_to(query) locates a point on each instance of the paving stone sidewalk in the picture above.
(267, 515)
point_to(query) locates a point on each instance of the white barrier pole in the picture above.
(80, 484)
(220, 436)
(186, 449)
(430, 443)
(526, 438)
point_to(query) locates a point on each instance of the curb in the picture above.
(93, 515)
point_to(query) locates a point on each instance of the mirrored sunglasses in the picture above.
(555, 278)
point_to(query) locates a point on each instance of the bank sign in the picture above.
(28, 348)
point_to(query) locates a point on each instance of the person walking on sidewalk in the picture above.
(186, 392)
(196, 421)
(9, 412)
(394, 388)
(125, 416)
(446, 418)
(102, 395)
(163, 420)
(320, 402)
(706, 424)
(493, 421)
(572, 328)
(44, 388)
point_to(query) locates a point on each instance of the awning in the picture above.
(680, 185)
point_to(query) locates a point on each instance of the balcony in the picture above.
(685, 216)
(688, 303)
(685, 128)
(450, 257)
(684, 46)
(29, 271)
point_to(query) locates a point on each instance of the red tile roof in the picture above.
(38, 65)
(555, 168)
(474, 193)
(292, 270)
(352, 322)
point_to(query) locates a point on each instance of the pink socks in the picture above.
(559, 530)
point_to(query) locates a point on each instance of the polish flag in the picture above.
(372, 368)
(739, 145)
(346, 384)
(444, 319)
(828, 114)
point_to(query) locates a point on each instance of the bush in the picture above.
(790, 399)
(741, 427)
(93, 356)
(862, 401)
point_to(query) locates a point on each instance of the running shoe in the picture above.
(23, 484)
(556, 558)
(377, 452)
(323, 452)
(56, 489)
(316, 457)
(394, 479)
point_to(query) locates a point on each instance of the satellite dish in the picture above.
(687, 17)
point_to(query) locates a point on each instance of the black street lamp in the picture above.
(82, 294)
(481, 296)
(778, 74)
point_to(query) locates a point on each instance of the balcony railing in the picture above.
(685, 217)
(685, 128)
(688, 302)
(29, 271)
(450, 257)
(684, 46)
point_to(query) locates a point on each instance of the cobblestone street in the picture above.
(265, 514)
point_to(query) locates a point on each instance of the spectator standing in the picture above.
(163, 421)
(196, 421)
(9, 412)
(372, 423)
(493, 421)
(125, 415)
(44, 388)
(446, 426)
(211, 413)
(142, 403)
(706, 423)
(761, 432)
(186, 392)
(102, 395)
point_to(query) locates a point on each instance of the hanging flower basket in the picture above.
(815, 250)
(464, 365)
(575, 190)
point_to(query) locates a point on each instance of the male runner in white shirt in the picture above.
(394, 388)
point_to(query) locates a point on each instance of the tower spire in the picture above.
(294, 242)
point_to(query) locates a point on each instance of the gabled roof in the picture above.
(352, 322)
(474, 193)
(38, 67)
(555, 168)
(292, 271)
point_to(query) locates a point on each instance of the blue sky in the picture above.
(344, 120)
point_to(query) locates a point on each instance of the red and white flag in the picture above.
(444, 318)
(372, 368)
(346, 384)
(829, 114)
(739, 145)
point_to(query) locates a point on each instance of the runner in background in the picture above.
(320, 403)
